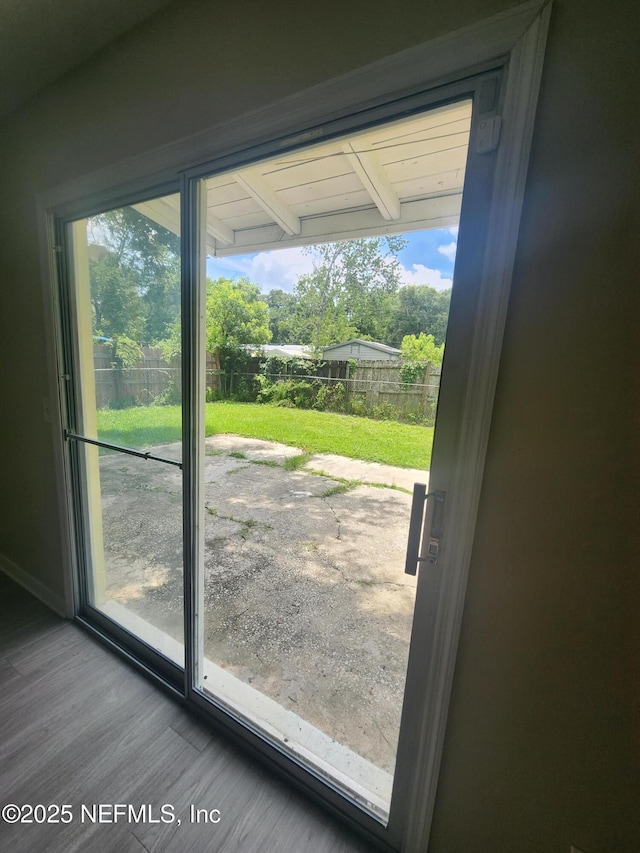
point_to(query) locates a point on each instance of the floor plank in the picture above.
(193, 730)
(79, 726)
(8, 674)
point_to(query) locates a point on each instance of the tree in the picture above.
(134, 273)
(421, 348)
(116, 308)
(282, 310)
(420, 308)
(417, 352)
(135, 276)
(236, 316)
(350, 291)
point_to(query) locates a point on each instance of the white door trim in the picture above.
(521, 95)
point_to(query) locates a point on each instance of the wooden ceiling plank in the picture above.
(432, 185)
(331, 188)
(425, 167)
(333, 204)
(334, 167)
(426, 125)
(411, 150)
(245, 206)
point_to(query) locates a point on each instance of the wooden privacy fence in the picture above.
(379, 383)
(152, 379)
(372, 384)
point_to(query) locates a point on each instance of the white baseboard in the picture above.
(35, 587)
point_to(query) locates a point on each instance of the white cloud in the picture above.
(240, 265)
(228, 267)
(453, 230)
(277, 269)
(280, 268)
(419, 274)
(449, 251)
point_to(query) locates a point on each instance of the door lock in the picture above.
(436, 508)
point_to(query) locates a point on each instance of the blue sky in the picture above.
(427, 259)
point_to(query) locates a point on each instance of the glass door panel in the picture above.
(126, 425)
(316, 432)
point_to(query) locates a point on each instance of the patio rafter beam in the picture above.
(167, 214)
(220, 230)
(417, 215)
(374, 179)
(162, 212)
(253, 182)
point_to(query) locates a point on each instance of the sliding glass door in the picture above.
(317, 430)
(253, 376)
(125, 418)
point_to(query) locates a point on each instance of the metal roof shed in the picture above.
(360, 351)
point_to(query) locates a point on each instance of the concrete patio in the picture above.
(305, 597)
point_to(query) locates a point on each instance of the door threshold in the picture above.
(370, 786)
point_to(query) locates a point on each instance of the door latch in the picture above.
(435, 510)
(488, 134)
(435, 529)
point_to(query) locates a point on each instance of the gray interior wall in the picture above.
(542, 748)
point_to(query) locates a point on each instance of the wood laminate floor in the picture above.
(80, 726)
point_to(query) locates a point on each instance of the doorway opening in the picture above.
(324, 328)
(315, 431)
(488, 220)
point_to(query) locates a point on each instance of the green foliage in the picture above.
(126, 352)
(236, 317)
(358, 406)
(417, 352)
(236, 314)
(421, 348)
(294, 463)
(330, 397)
(171, 347)
(123, 403)
(134, 268)
(172, 394)
(419, 308)
(291, 393)
(338, 489)
(349, 293)
(282, 382)
(274, 365)
(116, 307)
(241, 389)
(412, 372)
(282, 309)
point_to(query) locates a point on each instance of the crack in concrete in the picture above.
(337, 520)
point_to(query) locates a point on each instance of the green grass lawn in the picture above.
(387, 442)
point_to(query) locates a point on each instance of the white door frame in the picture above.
(515, 39)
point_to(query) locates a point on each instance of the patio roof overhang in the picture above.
(401, 177)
